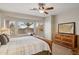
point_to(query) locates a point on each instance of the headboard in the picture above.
(66, 40)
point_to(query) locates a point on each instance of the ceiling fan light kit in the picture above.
(41, 11)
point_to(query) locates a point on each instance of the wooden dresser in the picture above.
(66, 40)
(76, 50)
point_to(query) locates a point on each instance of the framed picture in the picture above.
(66, 28)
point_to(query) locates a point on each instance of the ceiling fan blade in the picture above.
(45, 12)
(34, 9)
(49, 8)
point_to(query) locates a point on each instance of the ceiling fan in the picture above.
(42, 8)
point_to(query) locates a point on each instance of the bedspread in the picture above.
(26, 45)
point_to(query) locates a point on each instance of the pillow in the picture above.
(6, 37)
(3, 40)
(31, 34)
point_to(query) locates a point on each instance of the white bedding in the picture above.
(23, 46)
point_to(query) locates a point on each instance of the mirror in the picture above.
(67, 28)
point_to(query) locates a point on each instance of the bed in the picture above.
(26, 45)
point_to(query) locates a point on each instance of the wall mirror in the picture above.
(66, 28)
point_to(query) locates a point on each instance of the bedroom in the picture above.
(25, 26)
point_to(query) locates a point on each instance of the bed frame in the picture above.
(49, 42)
(43, 53)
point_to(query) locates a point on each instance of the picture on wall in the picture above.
(67, 28)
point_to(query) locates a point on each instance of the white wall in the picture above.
(68, 16)
(49, 27)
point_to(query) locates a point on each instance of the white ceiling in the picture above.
(25, 8)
